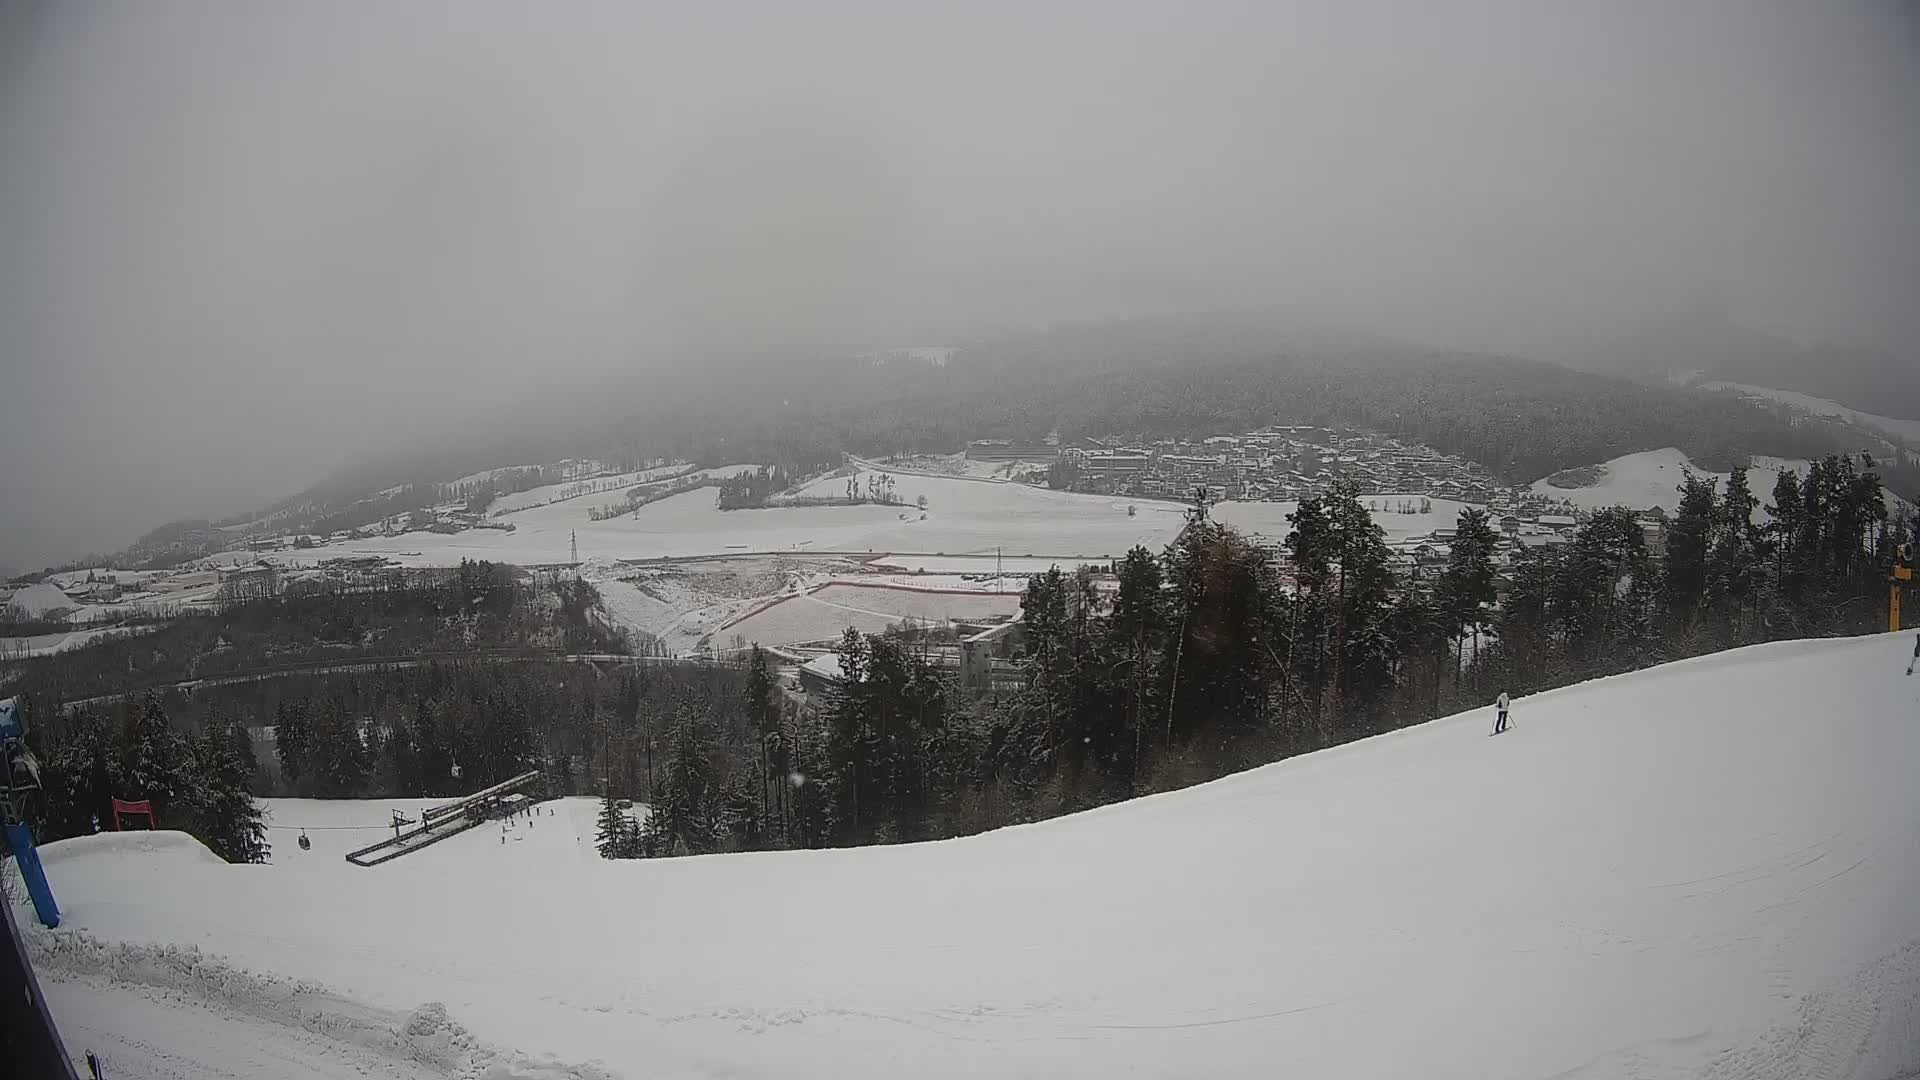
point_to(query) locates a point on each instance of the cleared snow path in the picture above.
(141, 1033)
(165, 1011)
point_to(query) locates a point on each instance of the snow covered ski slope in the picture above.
(1708, 869)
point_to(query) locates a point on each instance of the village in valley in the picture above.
(1287, 463)
(948, 549)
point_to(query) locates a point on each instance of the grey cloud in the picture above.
(240, 242)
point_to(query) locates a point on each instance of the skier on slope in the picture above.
(1916, 654)
(1501, 703)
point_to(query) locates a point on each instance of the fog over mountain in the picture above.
(241, 244)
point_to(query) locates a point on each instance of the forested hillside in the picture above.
(434, 729)
(474, 608)
(1522, 420)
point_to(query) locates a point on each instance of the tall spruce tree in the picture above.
(1864, 511)
(614, 830)
(1217, 616)
(763, 723)
(157, 762)
(1739, 549)
(1341, 560)
(813, 801)
(224, 814)
(1785, 528)
(1468, 586)
(1049, 690)
(1136, 635)
(1690, 540)
(848, 742)
(338, 756)
(682, 818)
(293, 737)
(1605, 590)
(78, 777)
(433, 760)
(503, 747)
(239, 739)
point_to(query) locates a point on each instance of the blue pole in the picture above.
(20, 839)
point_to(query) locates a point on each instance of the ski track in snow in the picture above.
(137, 1032)
(1702, 870)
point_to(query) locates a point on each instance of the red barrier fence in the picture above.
(132, 808)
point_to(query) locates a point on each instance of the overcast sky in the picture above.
(240, 242)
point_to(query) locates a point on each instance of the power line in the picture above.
(333, 828)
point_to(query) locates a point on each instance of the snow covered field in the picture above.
(1652, 478)
(1030, 527)
(1703, 870)
(962, 516)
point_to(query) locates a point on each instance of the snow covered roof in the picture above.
(36, 601)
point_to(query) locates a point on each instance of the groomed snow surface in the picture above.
(1708, 869)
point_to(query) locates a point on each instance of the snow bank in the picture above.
(164, 843)
(426, 1035)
